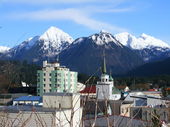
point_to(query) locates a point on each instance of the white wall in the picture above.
(42, 119)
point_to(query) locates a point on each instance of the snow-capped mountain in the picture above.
(49, 44)
(102, 38)
(4, 49)
(147, 46)
(52, 38)
(142, 42)
(123, 51)
(85, 55)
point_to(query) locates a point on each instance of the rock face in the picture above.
(86, 55)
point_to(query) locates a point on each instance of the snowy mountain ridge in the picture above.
(53, 37)
(4, 49)
(141, 42)
(53, 40)
(100, 39)
(39, 48)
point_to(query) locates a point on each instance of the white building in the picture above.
(68, 104)
(105, 88)
(59, 110)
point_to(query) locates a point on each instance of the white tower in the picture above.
(105, 88)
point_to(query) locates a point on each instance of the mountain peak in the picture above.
(104, 38)
(54, 34)
(49, 44)
(103, 31)
(144, 35)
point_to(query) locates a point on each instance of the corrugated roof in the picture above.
(28, 98)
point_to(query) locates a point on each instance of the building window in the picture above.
(38, 74)
(50, 90)
(49, 74)
(44, 90)
(44, 79)
(50, 85)
(38, 80)
(59, 74)
(44, 85)
(38, 90)
(50, 79)
(58, 80)
(44, 74)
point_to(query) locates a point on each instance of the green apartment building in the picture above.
(55, 78)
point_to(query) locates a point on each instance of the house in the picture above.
(7, 99)
(27, 100)
(59, 110)
(89, 91)
(143, 99)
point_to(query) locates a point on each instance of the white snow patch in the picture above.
(4, 49)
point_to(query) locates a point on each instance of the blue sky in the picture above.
(21, 19)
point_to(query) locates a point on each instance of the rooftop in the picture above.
(29, 98)
(17, 109)
(89, 89)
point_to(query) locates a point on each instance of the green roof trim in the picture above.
(110, 78)
(115, 90)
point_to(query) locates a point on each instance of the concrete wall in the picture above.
(61, 100)
(57, 101)
(60, 118)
